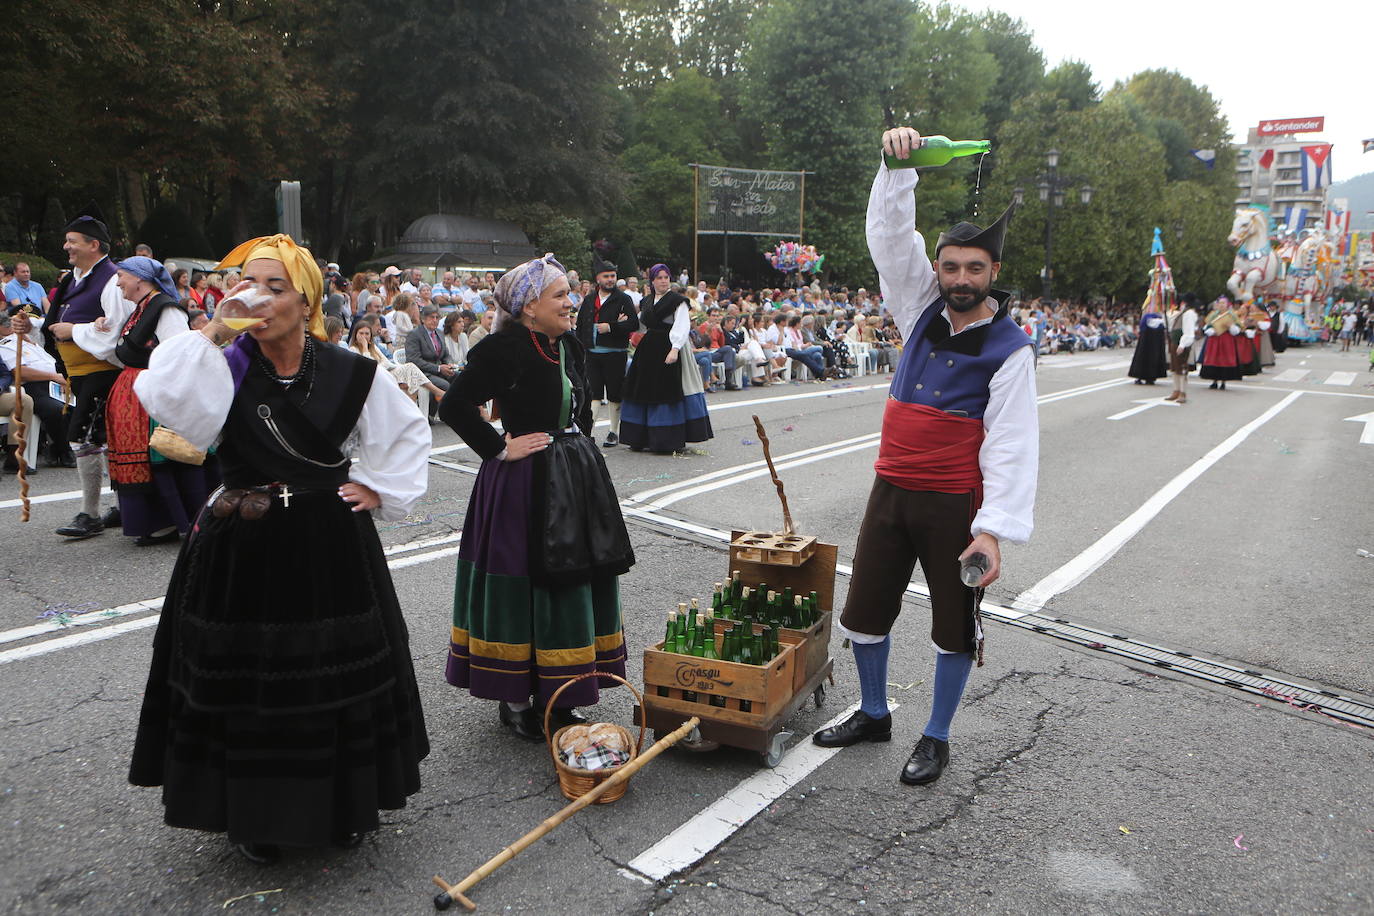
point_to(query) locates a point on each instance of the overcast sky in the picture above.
(1208, 42)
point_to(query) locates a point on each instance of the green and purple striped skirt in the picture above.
(513, 639)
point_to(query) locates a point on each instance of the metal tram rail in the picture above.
(1328, 703)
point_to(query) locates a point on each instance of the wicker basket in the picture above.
(575, 782)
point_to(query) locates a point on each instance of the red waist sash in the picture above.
(923, 448)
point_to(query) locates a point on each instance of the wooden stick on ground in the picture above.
(18, 428)
(452, 892)
(777, 481)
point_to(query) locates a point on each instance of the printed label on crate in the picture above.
(689, 675)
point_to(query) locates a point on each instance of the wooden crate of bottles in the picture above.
(716, 689)
(815, 574)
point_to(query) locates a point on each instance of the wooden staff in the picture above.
(452, 892)
(21, 429)
(787, 528)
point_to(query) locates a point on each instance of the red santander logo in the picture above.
(1291, 126)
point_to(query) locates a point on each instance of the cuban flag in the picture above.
(1338, 216)
(1316, 166)
(1207, 157)
(1294, 218)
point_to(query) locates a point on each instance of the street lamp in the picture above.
(1051, 187)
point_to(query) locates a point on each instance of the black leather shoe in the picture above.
(858, 727)
(926, 762)
(348, 840)
(258, 853)
(612, 440)
(731, 386)
(111, 518)
(561, 718)
(83, 526)
(525, 723)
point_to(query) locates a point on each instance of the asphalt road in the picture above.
(1079, 784)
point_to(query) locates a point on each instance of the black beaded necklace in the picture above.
(307, 368)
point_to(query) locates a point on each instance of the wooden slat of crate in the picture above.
(815, 575)
(773, 548)
(766, 687)
(814, 648)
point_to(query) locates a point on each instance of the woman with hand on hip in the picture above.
(537, 600)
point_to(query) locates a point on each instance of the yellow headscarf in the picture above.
(300, 267)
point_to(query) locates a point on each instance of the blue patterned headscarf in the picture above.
(521, 285)
(150, 270)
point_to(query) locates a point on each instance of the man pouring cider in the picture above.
(957, 462)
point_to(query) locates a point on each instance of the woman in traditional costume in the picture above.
(537, 599)
(1220, 355)
(158, 496)
(1150, 361)
(282, 707)
(665, 400)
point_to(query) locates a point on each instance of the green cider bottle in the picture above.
(670, 635)
(937, 151)
(760, 650)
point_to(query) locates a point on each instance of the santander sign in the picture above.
(1291, 126)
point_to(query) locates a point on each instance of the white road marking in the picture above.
(1292, 375)
(1105, 547)
(1144, 406)
(1110, 367)
(718, 821)
(89, 636)
(1367, 434)
(1085, 389)
(48, 498)
(1340, 378)
(738, 475)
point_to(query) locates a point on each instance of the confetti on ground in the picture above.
(904, 686)
(1236, 842)
(788, 428)
(747, 442)
(256, 895)
(1096, 645)
(664, 476)
(1124, 830)
(62, 613)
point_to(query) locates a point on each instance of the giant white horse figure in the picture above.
(1256, 267)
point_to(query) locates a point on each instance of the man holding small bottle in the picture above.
(957, 462)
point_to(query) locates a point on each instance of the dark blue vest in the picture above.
(82, 306)
(952, 372)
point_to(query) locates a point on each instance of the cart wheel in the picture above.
(819, 696)
(773, 756)
(442, 901)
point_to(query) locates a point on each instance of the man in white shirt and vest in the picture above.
(957, 462)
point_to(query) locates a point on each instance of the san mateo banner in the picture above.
(749, 202)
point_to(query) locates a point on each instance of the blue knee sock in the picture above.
(951, 674)
(871, 659)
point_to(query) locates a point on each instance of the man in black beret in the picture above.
(956, 464)
(85, 355)
(605, 321)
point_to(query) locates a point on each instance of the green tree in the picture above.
(1020, 66)
(1072, 81)
(944, 88)
(822, 112)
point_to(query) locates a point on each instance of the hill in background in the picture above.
(1360, 192)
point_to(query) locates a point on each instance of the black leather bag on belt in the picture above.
(578, 532)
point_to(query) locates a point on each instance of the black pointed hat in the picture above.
(971, 236)
(600, 265)
(90, 222)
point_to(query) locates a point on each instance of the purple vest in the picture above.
(953, 372)
(82, 306)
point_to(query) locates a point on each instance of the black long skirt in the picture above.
(1150, 360)
(650, 380)
(282, 705)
